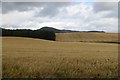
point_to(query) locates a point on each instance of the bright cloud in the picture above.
(16, 18)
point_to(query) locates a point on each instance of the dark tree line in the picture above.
(41, 34)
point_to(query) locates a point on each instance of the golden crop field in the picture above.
(87, 37)
(31, 58)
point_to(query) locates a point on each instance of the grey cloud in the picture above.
(105, 6)
(20, 6)
(0, 8)
(119, 10)
(50, 8)
(112, 14)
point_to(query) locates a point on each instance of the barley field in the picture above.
(87, 37)
(37, 58)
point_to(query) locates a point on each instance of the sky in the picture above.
(80, 16)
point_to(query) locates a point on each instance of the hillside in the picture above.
(87, 37)
(47, 33)
(36, 58)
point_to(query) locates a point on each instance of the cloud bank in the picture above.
(61, 15)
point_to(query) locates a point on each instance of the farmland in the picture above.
(31, 58)
(87, 37)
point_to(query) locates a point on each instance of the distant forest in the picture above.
(47, 33)
(40, 33)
